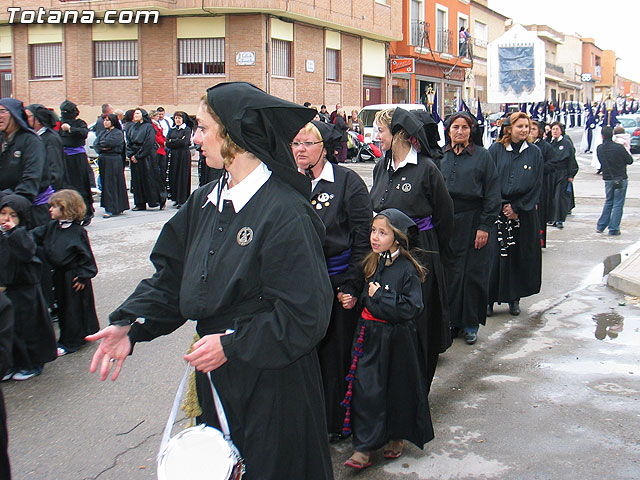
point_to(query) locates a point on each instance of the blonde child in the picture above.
(621, 136)
(66, 247)
(386, 399)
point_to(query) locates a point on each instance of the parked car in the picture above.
(368, 114)
(88, 144)
(631, 124)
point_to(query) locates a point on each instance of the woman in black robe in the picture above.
(244, 254)
(341, 199)
(545, 203)
(407, 179)
(566, 169)
(516, 259)
(178, 142)
(145, 171)
(34, 341)
(73, 132)
(472, 181)
(110, 145)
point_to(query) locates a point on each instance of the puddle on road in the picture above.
(609, 324)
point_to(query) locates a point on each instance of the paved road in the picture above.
(540, 396)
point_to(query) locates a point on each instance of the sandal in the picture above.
(358, 461)
(393, 449)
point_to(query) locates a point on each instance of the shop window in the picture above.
(333, 65)
(115, 58)
(280, 58)
(46, 60)
(201, 56)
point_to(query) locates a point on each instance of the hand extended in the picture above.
(373, 288)
(77, 286)
(207, 353)
(481, 239)
(346, 300)
(112, 350)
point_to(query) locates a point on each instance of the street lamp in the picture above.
(431, 93)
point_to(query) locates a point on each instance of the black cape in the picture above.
(6, 337)
(110, 147)
(390, 389)
(178, 141)
(146, 179)
(566, 167)
(260, 272)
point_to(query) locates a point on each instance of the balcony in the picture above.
(444, 41)
(419, 33)
(555, 68)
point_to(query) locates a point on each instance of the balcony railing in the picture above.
(418, 33)
(444, 41)
(555, 68)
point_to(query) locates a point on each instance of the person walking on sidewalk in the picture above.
(614, 159)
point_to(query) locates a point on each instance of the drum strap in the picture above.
(222, 418)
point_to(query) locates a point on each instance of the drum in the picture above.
(199, 453)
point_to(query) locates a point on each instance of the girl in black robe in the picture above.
(34, 341)
(566, 169)
(178, 142)
(545, 203)
(110, 145)
(516, 259)
(73, 132)
(341, 199)
(407, 179)
(244, 254)
(145, 171)
(387, 396)
(472, 181)
(66, 247)
(6, 339)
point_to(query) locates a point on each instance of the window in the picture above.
(416, 36)
(442, 33)
(280, 58)
(480, 33)
(333, 64)
(201, 56)
(116, 58)
(46, 60)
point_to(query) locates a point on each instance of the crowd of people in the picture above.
(289, 266)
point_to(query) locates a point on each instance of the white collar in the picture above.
(559, 138)
(412, 157)
(326, 174)
(523, 147)
(241, 193)
(42, 130)
(65, 223)
(182, 126)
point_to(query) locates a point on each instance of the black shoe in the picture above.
(470, 337)
(559, 225)
(455, 331)
(337, 437)
(138, 209)
(490, 310)
(514, 308)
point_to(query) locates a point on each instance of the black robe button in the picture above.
(211, 252)
(220, 229)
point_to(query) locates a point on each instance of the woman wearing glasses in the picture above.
(340, 197)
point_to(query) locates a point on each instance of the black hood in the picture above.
(186, 119)
(402, 222)
(114, 121)
(331, 138)
(414, 126)
(476, 134)
(48, 118)
(68, 110)
(263, 125)
(16, 109)
(21, 205)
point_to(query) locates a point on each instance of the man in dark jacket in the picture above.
(42, 120)
(614, 159)
(22, 158)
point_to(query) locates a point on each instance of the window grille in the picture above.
(117, 58)
(280, 58)
(201, 56)
(46, 60)
(333, 64)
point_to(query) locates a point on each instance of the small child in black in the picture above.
(34, 341)
(66, 247)
(386, 398)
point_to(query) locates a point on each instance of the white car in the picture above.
(368, 114)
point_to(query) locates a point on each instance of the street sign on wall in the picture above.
(403, 65)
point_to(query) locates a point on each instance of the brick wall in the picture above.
(246, 33)
(309, 45)
(78, 71)
(351, 71)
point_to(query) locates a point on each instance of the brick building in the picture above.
(321, 52)
(430, 54)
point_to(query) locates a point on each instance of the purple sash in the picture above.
(338, 263)
(423, 223)
(43, 197)
(74, 150)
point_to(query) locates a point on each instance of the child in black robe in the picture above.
(387, 395)
(66, 247)
(34, 341)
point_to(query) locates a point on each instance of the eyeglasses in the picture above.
(3, 111)
(305, 144)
